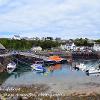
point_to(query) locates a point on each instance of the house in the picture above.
(36, 48)
(49, 38)
(71, 46)
(17, 37)
(63, 47)
(2, 49)
(58, 39)
(68, 46)
(96, 47)
(25, 38)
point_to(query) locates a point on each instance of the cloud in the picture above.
(65, 18)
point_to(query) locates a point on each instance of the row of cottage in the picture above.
(68, 47)
(73, 47)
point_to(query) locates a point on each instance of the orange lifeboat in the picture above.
(55, 58)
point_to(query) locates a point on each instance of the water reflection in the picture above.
(16, 74)
(55, 67)
(88, 67)
(24, 74)
(21, 69)
(3, 77)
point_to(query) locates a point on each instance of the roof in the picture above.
(2, 47)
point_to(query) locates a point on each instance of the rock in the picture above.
(19, 98)
(1, 69)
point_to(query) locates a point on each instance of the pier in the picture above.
(85, 55)
(74, 55)
(24, 54)
(33, 55)
(69, 56)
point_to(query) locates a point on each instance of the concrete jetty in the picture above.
(75, 55)
(33, 55)
(85, 55)
(26, 54)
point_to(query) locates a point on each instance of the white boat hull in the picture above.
(11, 67)
(94, 71)
(81, 67)
(37, 67)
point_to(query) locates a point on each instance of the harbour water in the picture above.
(60, 77)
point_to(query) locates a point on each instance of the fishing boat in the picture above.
(81, 66)
(11, 67)
(93, 70)
(38, 67)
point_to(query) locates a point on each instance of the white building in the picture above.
(96, 46)
(17, 37)
(63, 47)
(73, 47)
(36, 48)
(68, 46)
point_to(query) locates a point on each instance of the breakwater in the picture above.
(30, 57)
(85, 55)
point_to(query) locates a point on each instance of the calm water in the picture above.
(58, 76)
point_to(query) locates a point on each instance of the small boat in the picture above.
(57, 59)
(82, 66)
(38, 67)
(93, 70)
(11, 67)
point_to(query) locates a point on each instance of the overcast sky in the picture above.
(56, 18)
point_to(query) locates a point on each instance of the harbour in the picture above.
(66, 72)
(49, 50)
(60, 75)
